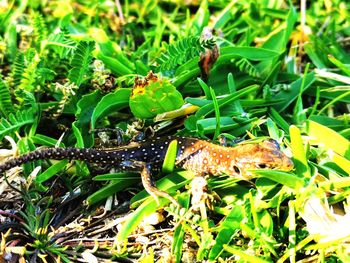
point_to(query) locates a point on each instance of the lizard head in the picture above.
(264, 155)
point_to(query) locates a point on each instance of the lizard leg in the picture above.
(149, 186)
(147, 181)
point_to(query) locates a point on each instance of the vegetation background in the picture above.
(238, 69)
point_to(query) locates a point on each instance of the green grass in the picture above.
(69, 68)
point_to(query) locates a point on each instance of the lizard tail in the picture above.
(86, 154)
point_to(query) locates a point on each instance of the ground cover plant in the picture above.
(104, 73)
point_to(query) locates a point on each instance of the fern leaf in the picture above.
(5, 99)
(18, 69)
(29, 73)
(39, 27)
(182, 51)
(15, 121)
(245, 66)
(81, 62)
(61, 43)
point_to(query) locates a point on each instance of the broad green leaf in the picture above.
(244, 255)
(209, 108)
(299, 155)
(341, 162)
(86, 107)
(225, 15)
(236, 105)
(290, 95)
(134, 219)
(201, 19)
(217, 114)
(113, 187)
(227, 229)
(186, 76)
(343, 182)
(170, 157)
(179, 233)
(116, 66)
(45, 140)
(156, 97)
(205, 89)
(117, 176)
(340, 65)
(252, 53)
(310, 50)
(281, 177)
(110, 103)
(51, 171)
(330, 139)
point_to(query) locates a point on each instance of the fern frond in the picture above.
(24, 72)
(15, 121)
(245, 66)
(39, 27)
(81, 61)
(18, 69)
(61, 43)
(182, 51)
(208, 43)
(28, 77)
(6, 106)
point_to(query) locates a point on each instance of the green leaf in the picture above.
(15, 121)
(329, 138)
(45, 140)
(117, 176)
(274, 133)
(228, 227)
(236, 105)
(299, 154)
(205, 89)
(279, 120)
(119, 182)
(281, 177)
(170, 157)
(156, 97)
(6, 106)
(134, 219)
(340, 65)
(251, 53)
(182, 52)
(110, 103)
(244, 255)
(179, 233)
(117, 67)
(291, 94)
(209, 108)
(217, 114)
(201, 19)
(310, 50)
(81, 62)
(51, 171)
(81, 126)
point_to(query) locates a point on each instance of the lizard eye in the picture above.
(262, 166)
(237, 170)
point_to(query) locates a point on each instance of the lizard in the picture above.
(146, 157)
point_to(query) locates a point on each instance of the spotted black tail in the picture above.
(88, 155)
